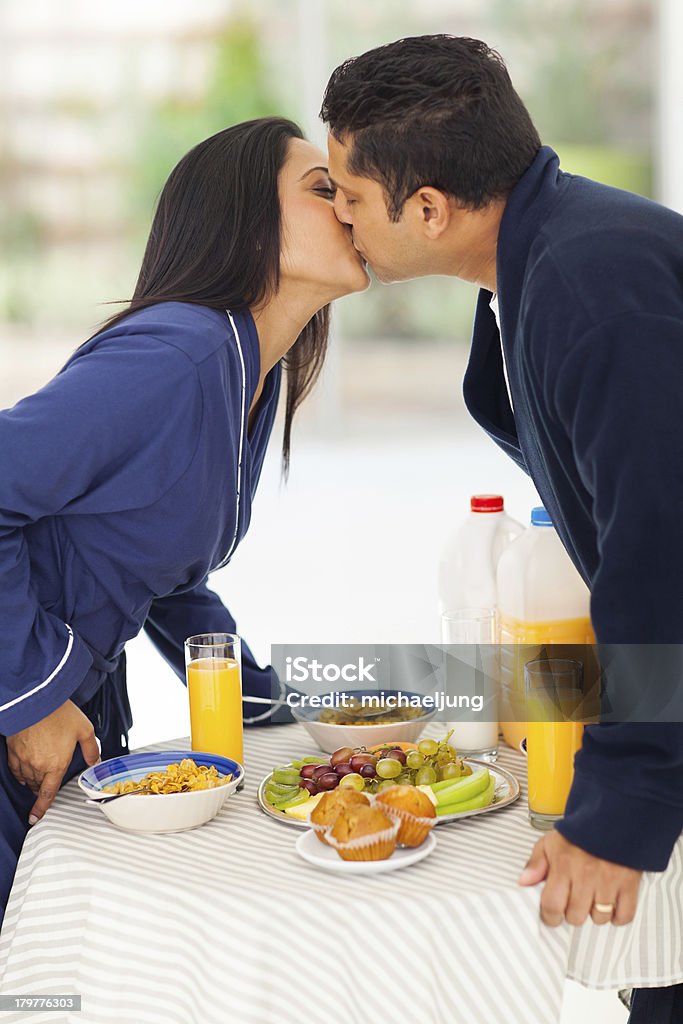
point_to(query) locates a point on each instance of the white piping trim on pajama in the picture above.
(30, 693)
(241, 447)
(280, 701)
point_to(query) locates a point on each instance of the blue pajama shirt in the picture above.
(124, 482)
(590, 295)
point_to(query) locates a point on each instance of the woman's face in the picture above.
(317, 250)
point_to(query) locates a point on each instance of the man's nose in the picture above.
(341, 209)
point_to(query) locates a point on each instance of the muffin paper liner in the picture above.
(413, 830)
(376, 846)
(320, 830)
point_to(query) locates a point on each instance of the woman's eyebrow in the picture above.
(311, 170)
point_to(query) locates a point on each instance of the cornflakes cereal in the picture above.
(177, 778)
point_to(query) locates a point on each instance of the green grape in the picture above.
(451, 770)
(352, 781)
(425, 776)
(388, 768)
(428, 747)
(446, 754)
(415, 759)
(385, 784)
(405, 779)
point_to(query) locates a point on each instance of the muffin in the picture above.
(325, 812)
(414, 811)
(363, 833)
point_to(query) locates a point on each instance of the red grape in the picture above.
(321, 769)
(367, 771)
(341, 755)
(307, 771)
(310, 785)
(343, 768)
(397, 753)
(358, 760)
(328, 781)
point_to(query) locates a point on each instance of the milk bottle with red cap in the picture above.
(467, 604)
(467, 570)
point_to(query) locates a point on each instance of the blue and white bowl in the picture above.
(159, 812)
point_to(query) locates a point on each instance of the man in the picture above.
(576, 375)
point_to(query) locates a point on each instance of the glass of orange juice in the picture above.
(213, 663)
(554, 698)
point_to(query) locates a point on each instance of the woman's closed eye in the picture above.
(325, 190)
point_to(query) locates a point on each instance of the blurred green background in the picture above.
(75, 224)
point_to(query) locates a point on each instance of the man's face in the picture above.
(395, 251)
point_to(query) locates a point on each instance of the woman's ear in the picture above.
(432, 209)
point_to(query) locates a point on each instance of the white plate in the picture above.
(320, 855)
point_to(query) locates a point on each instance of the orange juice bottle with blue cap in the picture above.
(543, 609)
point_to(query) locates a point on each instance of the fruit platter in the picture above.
(457, 787)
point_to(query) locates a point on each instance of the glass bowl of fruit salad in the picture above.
(363, 721)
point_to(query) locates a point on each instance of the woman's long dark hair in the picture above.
(215, 241)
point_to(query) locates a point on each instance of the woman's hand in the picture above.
(39, 756)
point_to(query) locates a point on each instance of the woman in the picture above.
(129, 477)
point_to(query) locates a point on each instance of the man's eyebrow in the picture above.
(311, 170)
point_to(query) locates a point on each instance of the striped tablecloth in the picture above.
(226, 924)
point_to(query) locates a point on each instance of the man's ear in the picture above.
(432, 209)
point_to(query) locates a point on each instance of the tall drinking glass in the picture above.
(213, 663)
(474, 627)
(554, 700)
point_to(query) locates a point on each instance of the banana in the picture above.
(483, 799)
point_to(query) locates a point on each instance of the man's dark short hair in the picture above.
(432, 110)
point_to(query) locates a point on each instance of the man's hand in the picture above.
(576, 881)
(39, 755)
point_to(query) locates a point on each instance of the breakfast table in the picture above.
(226, 923)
